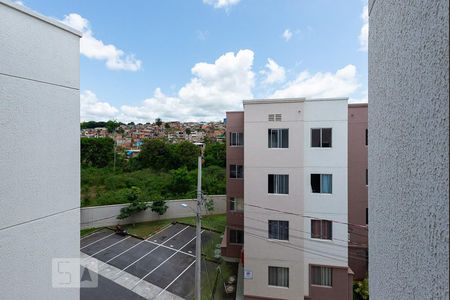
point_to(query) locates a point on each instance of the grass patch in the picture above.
(145, 229)
(84, 232)
(211, 222)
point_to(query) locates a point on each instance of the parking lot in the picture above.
(160, 267)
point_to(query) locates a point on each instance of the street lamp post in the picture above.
(198, 240)
(198, 226)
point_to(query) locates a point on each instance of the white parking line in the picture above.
(162, 229)
(164, 261)
(98, 240)
(174, 279)
(164, 246)
(111, 245)
(153, 250)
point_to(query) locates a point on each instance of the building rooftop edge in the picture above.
(291, 100)
(40, 17)
(361, 104)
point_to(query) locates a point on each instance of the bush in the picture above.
(361, 289)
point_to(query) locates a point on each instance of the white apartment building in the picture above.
(295, 191)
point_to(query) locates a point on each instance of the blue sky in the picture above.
(193, 60)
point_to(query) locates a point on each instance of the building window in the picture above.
(236, 236)
(367, 177)
(321, 183)
(367, 216)
(321, 137)
(278, 138)
(278, 184)
(274, 118)
(322, 229)
(236, 139)
(236, 204)
(279, 276)
(278, 230)
(321, 276)
(367, 137)
(236, 171)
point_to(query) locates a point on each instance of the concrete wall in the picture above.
(100, 216)
(39, 162)
(409, 147)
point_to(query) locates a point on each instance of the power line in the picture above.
(295, 229)
(305, 216)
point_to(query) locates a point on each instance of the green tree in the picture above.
(166, 125)
(188, 131)
(180, 183)
(215, 154)
(155, 154)
(97, 152)
(184, 154)
(136, 204)
(158, 122)
(159, 206)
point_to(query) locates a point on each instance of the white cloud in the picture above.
(274, 73)
(215, 88)
(321, 85)
(19, 2)
(116, 59)
(92, 109)
(221, 3)
(287, 35)
(364, 34)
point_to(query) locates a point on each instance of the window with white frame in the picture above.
(322, 229)
(279, 230)
(279, 276)
(278, 184)
(321, 137)
(236, 139)
(278, 138)
(236, 171)
(236, 204)
(321, 276)
(236, 236)
(321, 183)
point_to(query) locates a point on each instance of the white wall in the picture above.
(298, 161)
(106, 215)
(326, 114)
(39, 165)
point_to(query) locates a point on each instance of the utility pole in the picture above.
(198, 240)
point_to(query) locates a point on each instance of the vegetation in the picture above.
(159, 206)
(162, 171)
(137, 204)
(361, 289)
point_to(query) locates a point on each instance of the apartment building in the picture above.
(358, 180)
(39, 178)
(234, 235)
(294, 182)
